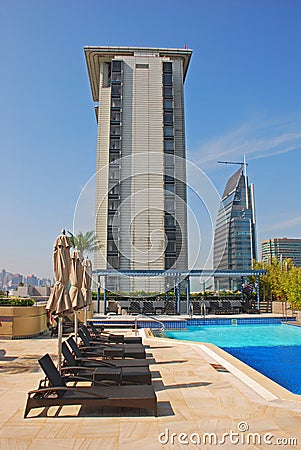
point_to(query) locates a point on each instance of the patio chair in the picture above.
(59, 394)
(170, 307)
(68, 326)
(134, 307)
(112, 350)
(119, 338)
(88, 358)
(148, 308)
(215, 307)
(105, 339)
(100, 372)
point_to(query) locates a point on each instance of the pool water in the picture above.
(273, 350)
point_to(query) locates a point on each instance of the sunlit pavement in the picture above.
(197, 402)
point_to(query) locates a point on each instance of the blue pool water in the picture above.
(273, 350)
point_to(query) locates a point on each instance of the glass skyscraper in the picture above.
(235, 237)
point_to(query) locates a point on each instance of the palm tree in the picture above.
(84, 242)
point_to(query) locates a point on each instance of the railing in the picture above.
(162, 328)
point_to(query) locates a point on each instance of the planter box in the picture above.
(22, 321)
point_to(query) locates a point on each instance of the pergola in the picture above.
(177, 276)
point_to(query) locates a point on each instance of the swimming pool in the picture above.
(273, 350)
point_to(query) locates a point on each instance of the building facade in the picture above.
(282, 248)
(141, 217)
(235, 233)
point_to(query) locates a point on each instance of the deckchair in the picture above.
(115, 337)
(105, 340)
(99, 372)
(87, 358)
(112, 350)
(59, 394)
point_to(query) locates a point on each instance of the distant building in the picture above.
(14, 279)
(282, 248)
(235, 237)
(31, 280)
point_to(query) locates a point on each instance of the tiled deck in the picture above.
(193, 397)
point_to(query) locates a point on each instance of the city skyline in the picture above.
(242, 97)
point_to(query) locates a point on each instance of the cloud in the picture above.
(286, 224)
(256, 140)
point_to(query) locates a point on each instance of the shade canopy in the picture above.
(87, 281)
(76, 280)
(59, 301)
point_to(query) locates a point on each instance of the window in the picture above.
(116, 90)
(169, 221)
(142, 66)
(113, 205)
(169, 205)
(115, 116)
(167, 79)
(114, 173)
(167, 67)
(116, 77)
(116, 66)
(167, 104)
(113, 261)
(167, 92)
(115, 144)
(115, 189)
(169, 146)
(169, 188)
(114, 159)
(168, 161)
(171, 247)
(169, 262)
(116, 103)
(112, 248)
(168, 131)
(168, 118)
(170, 235)
(115, 130)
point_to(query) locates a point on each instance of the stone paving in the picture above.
(197, 402)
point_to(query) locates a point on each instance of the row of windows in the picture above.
(115, 147)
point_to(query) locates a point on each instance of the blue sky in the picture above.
(242, 95)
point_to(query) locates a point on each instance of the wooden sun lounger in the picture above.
(99, 371)
(59, 394)
(87, 357)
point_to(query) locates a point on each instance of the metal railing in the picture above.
(162, 328)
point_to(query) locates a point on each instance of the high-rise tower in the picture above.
(235, 236)
(141, 219)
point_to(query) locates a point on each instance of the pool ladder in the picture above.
(161, 329)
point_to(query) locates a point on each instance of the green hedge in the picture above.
(16, 302)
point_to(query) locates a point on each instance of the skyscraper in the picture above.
(282, 248)
(141, 219)
(235, 237)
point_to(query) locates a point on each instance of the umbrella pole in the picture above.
(75, 325)
(85, 315)
(60, 336)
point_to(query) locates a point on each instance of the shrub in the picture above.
(15, 301)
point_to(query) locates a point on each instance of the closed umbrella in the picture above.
(59, 301)
(76, 280)
(86, 286)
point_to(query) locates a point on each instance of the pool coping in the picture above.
(266, 388)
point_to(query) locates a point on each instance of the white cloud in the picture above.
(256, 140)
(286, 224)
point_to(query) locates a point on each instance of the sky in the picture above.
(242, 96)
